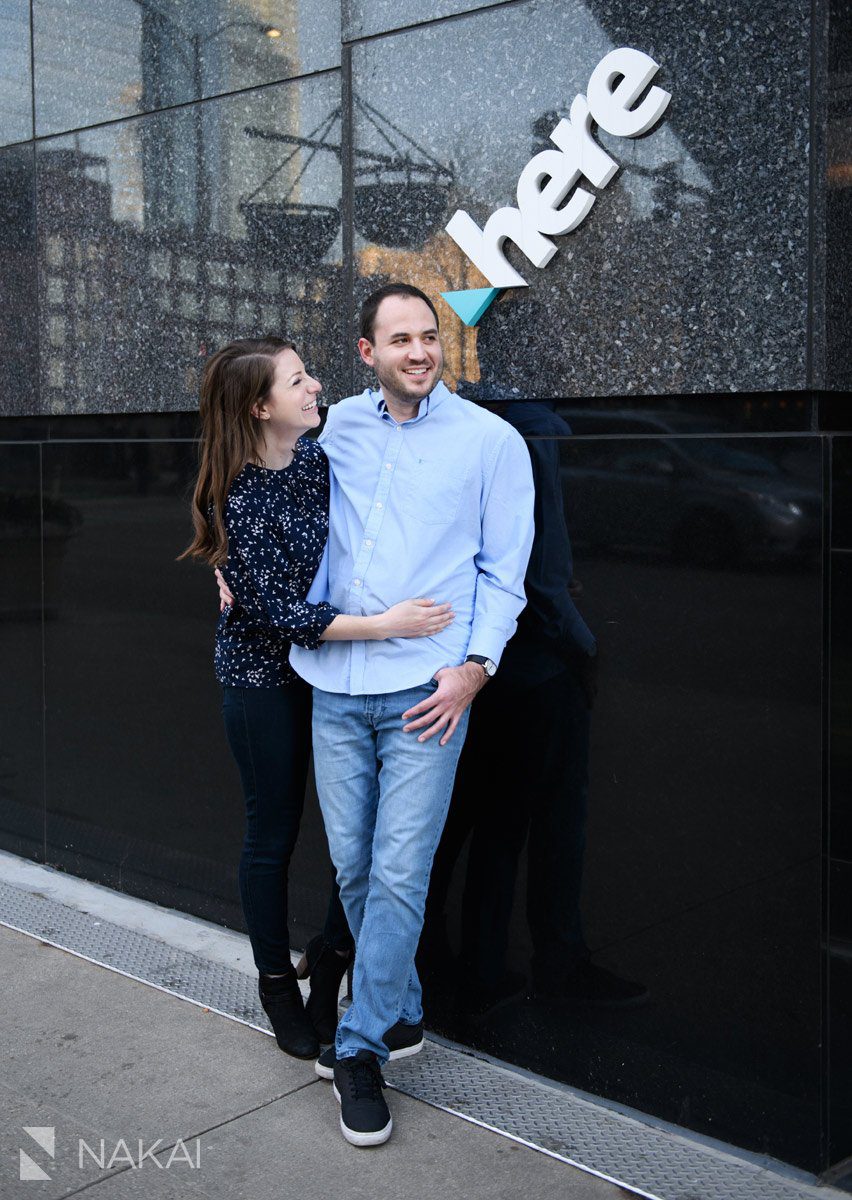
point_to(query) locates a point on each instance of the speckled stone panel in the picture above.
(361, 18)
(18, 315)
(97, 61)
(164, 237)
(689, 274)
(16, 104)
(838, 198)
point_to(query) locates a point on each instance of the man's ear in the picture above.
(365, 349)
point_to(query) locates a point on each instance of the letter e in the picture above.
(611, 106)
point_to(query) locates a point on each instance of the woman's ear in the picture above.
(259, 413)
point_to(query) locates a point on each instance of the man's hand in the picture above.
(457, 687)
(226, 596)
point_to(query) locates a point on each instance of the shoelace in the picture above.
(367, 1081)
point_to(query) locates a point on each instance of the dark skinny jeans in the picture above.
(269, 732)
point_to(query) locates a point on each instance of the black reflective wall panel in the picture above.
(29, 547)
(698, 835)
(131, 705)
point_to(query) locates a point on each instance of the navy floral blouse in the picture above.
(277, 525)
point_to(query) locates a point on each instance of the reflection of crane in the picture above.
(400, 197)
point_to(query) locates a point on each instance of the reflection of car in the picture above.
(699, 500)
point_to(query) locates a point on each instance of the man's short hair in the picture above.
(371, 305)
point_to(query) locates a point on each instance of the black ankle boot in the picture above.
(282, 1003)
(325, 968)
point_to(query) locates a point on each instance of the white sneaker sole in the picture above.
(356, 1138)
(406, 1052)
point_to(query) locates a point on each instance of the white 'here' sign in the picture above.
(549, 201)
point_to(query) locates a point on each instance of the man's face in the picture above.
(405, 351)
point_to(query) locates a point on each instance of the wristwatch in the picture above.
(489, 667)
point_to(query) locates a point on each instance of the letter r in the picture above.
(574, 138)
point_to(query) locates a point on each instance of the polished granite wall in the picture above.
(203, 171)
(209, 179)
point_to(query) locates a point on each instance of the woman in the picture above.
(260, 511)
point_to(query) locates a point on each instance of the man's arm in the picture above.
(507, 537)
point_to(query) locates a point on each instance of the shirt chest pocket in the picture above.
(431, 490)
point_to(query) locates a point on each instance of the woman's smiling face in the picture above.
(292, 399)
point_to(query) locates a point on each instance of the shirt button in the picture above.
(388, 466)
(367, 542)
(356, 582)
(379, 504)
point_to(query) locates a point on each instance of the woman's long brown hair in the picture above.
(235, 379)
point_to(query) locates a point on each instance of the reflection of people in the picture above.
(260, 510)
(426, 489)
(541, 701)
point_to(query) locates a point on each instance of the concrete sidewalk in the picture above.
(96, 1056)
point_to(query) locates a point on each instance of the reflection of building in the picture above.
(193, 170)
(105, 284)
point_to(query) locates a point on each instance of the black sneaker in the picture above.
(401, 1040)
(364, 1116)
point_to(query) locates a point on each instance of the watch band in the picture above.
(487, 664)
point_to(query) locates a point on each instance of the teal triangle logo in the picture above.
(470, 305)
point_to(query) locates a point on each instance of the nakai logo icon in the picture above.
(549, 201)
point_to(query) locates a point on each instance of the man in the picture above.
(431, 496)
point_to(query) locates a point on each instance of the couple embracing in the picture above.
(371, 577)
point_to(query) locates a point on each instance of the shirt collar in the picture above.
(434, 400)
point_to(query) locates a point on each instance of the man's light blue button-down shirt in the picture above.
(438, 506)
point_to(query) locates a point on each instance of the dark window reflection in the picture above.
(97, 62)
(707, 503)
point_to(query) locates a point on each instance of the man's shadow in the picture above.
(523, 777)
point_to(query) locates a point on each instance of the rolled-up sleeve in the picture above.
(507, 535)
(268, 593)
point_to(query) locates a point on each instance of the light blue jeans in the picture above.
(384, 799)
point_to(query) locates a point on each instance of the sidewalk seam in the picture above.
(92, 1183)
